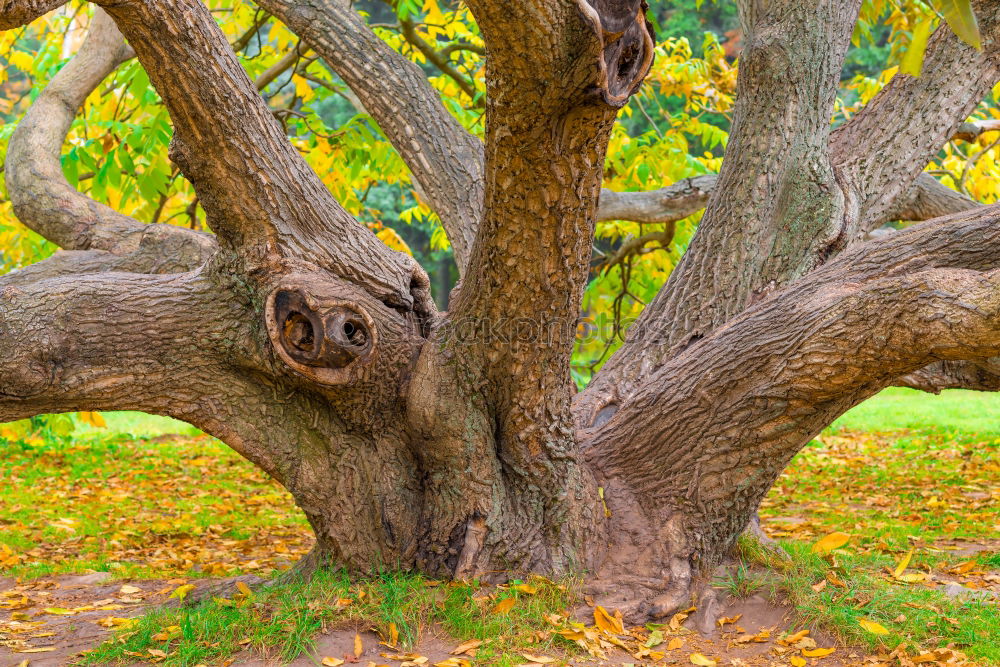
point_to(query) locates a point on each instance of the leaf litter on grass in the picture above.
(918, 510)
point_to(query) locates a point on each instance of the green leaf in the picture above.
(961, 18)
(913, 59)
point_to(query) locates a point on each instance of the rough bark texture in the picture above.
(450, 442)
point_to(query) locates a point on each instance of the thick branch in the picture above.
(43, 200)
(260, 196)
(787, 367)
(445, 160)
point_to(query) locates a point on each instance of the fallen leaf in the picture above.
(393, 635)
(904, 563)
(128, 589)
(818, 652)
(453, 662)
(540, 659)
(873, 627)
(675, 643)
(607, 622)
(699, 659)
(527, 589)
(181, 591)
(332, 662)
(243, 588)
(504, 606)
(831, 542)
(465, 647)
(797, 661)
(358, 648)
(59, 611)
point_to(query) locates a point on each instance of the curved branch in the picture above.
(788, 366)
(42, 198)
(445, 160)
(260, 196)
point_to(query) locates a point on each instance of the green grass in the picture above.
(138, 424)
(185, 506)
(280, 621)
(954, 410)
(917, 618)
(903, 470)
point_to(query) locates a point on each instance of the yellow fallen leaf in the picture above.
(504, 606)
(465, 647)
(527, 589)
(453, 662)
(912, 577)
(243, 588)
(59, 611)
(924, 657)
(116, 622)
(181, 591)
(540, 659)
(332, 662)
(675, 643)
(791, 639)
(37, 649)
(729, 619)
(155, 652)
(607, 622)
(797, 661)
(904, 563)
(818, 652)
(831, 542)
(358, 648)
(699, 659)
(393, 634)
(129, 590)
(873, 627)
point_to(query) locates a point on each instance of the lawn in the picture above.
(911, 480)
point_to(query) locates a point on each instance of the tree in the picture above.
(455, 443)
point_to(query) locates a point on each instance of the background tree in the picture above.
(455, 443)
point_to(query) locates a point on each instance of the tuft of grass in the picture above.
(279, 621)
(740, 582)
